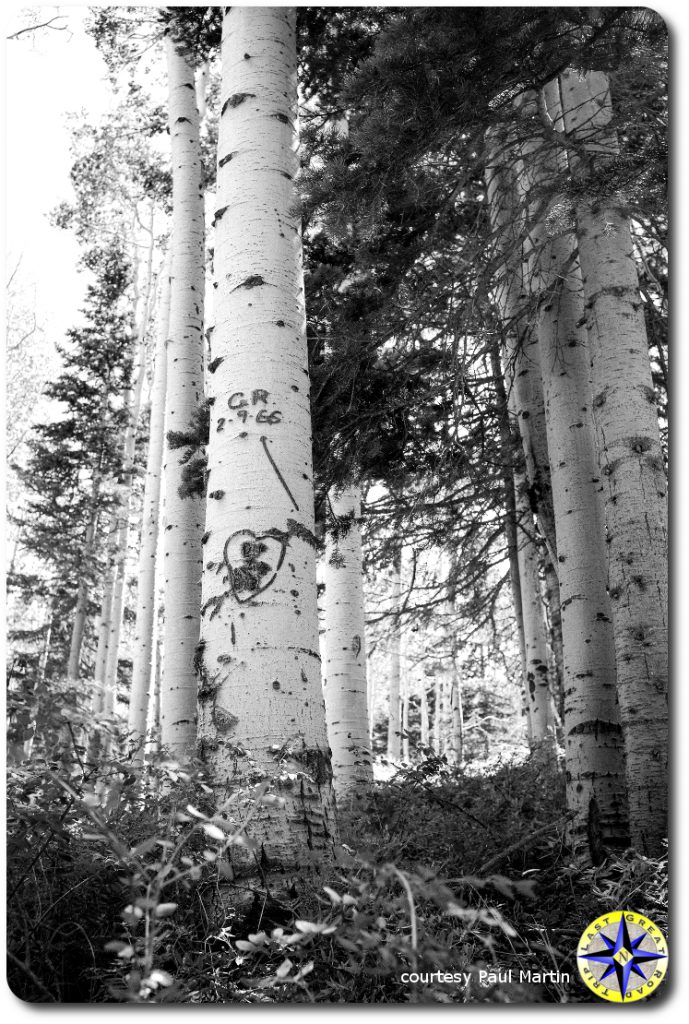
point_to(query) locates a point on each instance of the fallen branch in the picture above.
(520, 845)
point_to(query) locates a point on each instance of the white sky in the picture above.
(49, 73)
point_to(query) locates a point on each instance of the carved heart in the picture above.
(253, 561)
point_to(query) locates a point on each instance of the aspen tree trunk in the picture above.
(133, 406)
(552, 597)
(535, 629)
(81, 610)
(371, 700)
(629, 453)
(146, 593)
(423, 696)
(457, 736)
(593, 750)
(394, 713)
(261, 709)
(438, 699)
(511, 518)
(345, 650)
(405, 694)
(515, 305)
(184, 515)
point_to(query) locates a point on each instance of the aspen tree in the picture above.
(183, 514)
(593, 750)
(539, 698)
(261, 709)
(394, 748)
(521, 358)
(146, 592)
(629, 451)
(344, 671)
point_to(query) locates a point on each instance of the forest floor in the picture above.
(441, 872)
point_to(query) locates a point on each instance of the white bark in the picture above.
(595, 780)
(184, 515)
(146, 593)
(457, 732)
(525, 402)
(394, 710)
(261, 709)
(423, 708)
(630, 458)
(345, 650)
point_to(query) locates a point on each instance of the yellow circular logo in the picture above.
(622, 956)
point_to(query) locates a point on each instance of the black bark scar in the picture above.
(277, 471)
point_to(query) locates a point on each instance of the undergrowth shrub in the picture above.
(120, 888)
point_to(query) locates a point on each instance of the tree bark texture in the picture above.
(261, 708)
(183, 515)
(593, 742)
(146, 592)
(394, 749)
(344, 671)
(630, 455)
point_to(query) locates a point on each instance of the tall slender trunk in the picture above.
(405, 688)
(593, 749)
(394, 717)
(146, 593)
(630, 455)
(345, 648)
(423, 709)
(515, 307)
(184, 515)
(535, 628)
(261, 709)
(438, 700)
(457, 737)
(81, 610)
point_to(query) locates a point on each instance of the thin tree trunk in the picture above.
(345, 649)
(457, 739)
(394, 711)
(535, 629)
(630, 457)
(405, 695)
(184, 514)
(593, 749)
(261, 709)
(81, 610)
(423, 697)
(146, 601)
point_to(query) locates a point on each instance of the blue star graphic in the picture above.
(623, 957)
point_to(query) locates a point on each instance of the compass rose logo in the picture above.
(622, 956)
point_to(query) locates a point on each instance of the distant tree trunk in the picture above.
(423, 708)
(81, 610)
(345, 648)
(511, 521)
(405, 695)
(438, 700)
(593, 750)
(514, 303)
(184, 514)
(457, 738)
(630, 454)
(146, 594)
(261, 709)
(142, 299)
(394, 713)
